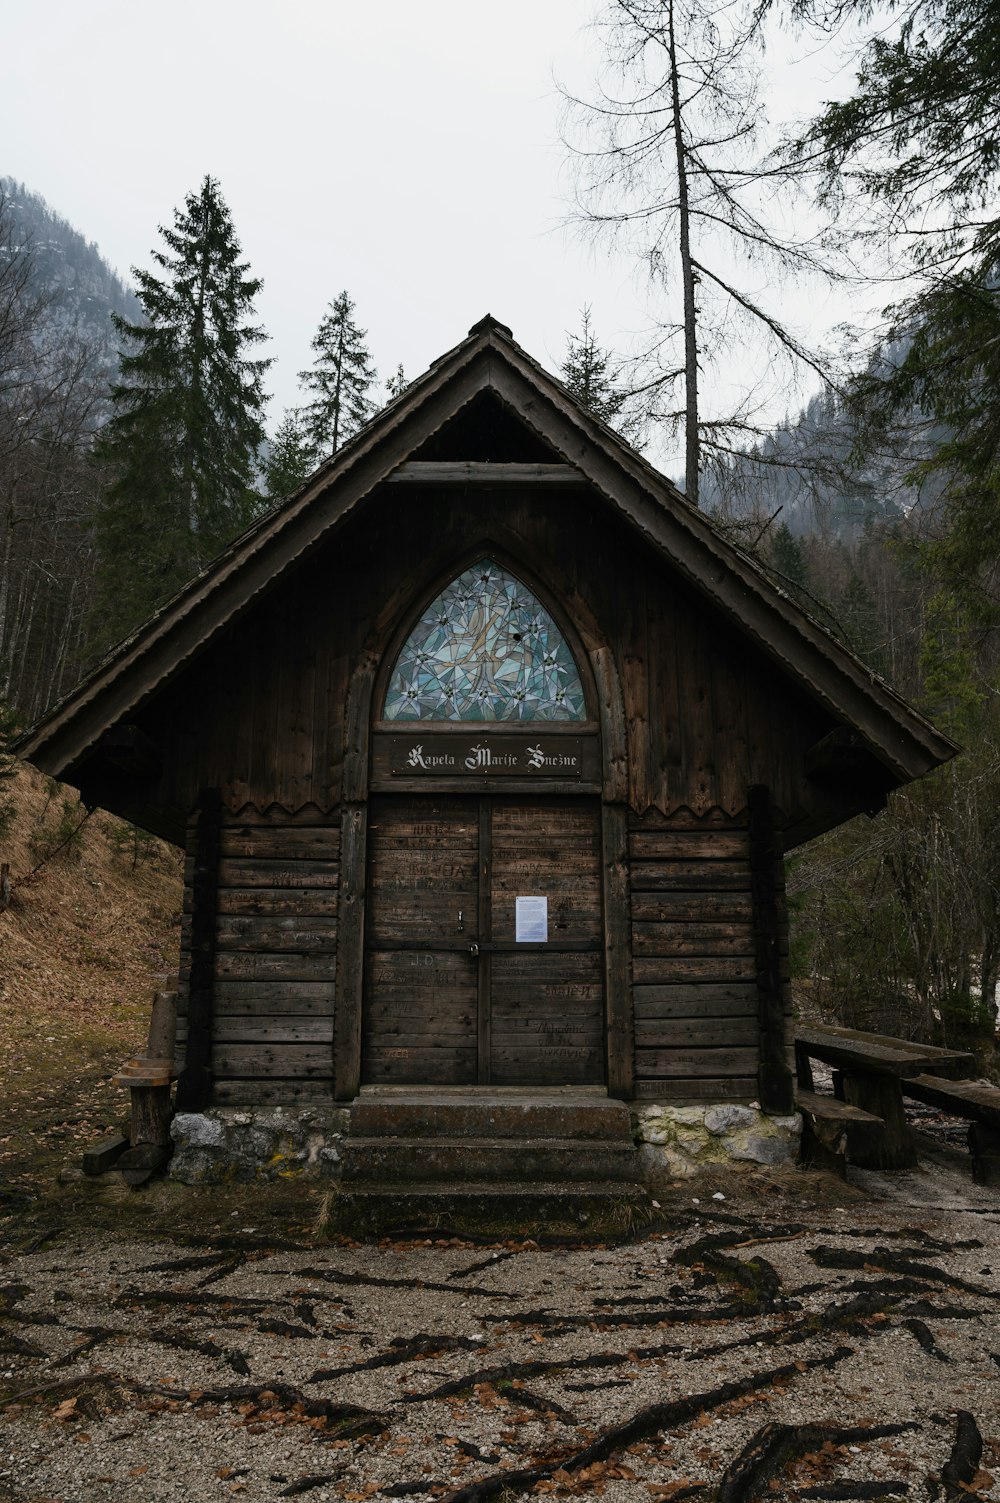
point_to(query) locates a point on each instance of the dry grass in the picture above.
(87, 931)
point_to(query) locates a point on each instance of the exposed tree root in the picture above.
(92, 1336)
(222, 1272)
(515, 1371)
(370, 1281)
(145, 1298)
(235, 1359)
(307, 1483)
(963, 1463)
(892, 1262)
(346, 1421)
(41, 1239)
(467, 1448)
(941, 1312)
(662, 1315)
(925, 1337)
(775, 1445)
(406, 1489)
(464, 1273)
(273, 1327)
(914, 1233)
(756, 1275)
(597, 1387)
(891, 1488)
(538, 1402)
(194, 1263)
(18, 1347)
(400, 1351)
(649, 1421)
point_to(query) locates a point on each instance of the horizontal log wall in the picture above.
(694, 969)
(275, 961)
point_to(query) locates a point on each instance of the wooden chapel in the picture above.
(485, 748)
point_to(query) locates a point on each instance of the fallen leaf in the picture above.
(66, 1410)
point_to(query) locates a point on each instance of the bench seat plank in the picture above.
(962, 1098)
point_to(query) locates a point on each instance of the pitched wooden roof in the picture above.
(490, 361)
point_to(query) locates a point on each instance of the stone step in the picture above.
(442, 1159)
(504, 1115)
(594, 1207)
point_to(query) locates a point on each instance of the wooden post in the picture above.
(773, 1074)
(617, 969)
(350, 952)
(194, 1087)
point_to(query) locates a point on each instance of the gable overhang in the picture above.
(898, 740)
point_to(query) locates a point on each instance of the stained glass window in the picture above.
(485, 649)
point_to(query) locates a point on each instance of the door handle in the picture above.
(473, 949)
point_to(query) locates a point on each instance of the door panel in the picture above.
(421, 981)
(547, 1002)
(547, 1019)
(451, 996)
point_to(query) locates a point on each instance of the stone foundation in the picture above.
(248, 1145)
(684, 1140)
(257, 1144)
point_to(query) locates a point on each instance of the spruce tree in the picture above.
(397, 383)
(290, 460)
(587, 373)
(181, 448)
(341, 377)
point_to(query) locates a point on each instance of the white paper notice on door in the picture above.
(531, 920)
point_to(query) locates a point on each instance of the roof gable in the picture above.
(529, 413)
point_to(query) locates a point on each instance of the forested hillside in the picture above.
(57, 359)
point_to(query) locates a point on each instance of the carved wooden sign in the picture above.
(436, 755)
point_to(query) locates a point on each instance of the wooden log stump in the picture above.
(151, 1112)
(104, 1154)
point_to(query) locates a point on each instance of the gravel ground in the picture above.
(765, 1338)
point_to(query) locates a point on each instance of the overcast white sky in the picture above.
(407, 152)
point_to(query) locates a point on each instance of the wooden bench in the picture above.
(871, 1066)
(966, 1098)
(834, 1131)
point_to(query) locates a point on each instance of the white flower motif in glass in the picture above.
(485, 649)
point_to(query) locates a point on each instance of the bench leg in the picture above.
(881, 1095)
(803, 1068)
(984, 1145)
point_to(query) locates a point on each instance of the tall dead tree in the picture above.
(670, 160)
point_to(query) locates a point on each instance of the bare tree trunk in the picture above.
(692, 445)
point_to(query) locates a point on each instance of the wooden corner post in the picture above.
(194, 1085)
(769, 925)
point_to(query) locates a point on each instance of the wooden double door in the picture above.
(460, 987)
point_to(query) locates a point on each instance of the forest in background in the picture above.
(133, 443)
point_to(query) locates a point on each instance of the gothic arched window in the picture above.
(485, 649)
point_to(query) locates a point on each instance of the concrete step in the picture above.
(441, 1159)
(504, 1115)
